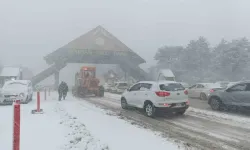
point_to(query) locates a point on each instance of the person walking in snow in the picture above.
(62, 90)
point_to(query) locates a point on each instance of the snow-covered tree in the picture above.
(233, 57)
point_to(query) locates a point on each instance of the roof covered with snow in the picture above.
(10, 72)
(97, 39)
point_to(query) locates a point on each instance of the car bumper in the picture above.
(10, 100)
(171, 109)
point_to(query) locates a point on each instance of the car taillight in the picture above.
(212, 90)
(186, 92)
(162, 94)
(187, 102)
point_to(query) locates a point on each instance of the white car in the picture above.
(120, 87)
(16, 90)
(107, 87)
(203, 90)
(152, 97)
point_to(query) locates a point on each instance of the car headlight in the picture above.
(21, 95)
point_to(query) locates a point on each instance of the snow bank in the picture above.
(116, 133)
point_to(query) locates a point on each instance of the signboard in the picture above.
(98, 52)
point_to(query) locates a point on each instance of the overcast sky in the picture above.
(30, 29)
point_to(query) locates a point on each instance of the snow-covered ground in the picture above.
(76, 125)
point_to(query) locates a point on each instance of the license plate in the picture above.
(10, 100)
(178, 105)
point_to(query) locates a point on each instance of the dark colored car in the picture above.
(236, 95)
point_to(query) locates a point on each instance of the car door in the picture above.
(199, 88)
(131, 95)
(143, 94)
(236, 95)
(191, 90)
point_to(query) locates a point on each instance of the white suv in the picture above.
(163, 96)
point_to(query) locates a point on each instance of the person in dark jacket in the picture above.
(62, 90)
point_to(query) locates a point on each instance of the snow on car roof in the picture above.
(10, 72)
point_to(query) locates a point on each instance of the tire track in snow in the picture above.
(220, 117)
(223, 139)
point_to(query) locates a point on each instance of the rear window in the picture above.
(172, 87)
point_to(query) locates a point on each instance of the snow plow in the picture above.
(86, 83)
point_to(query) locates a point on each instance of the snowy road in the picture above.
(200, 128)
(77, 125)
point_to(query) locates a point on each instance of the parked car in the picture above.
(202, 90)
(107, 87)
(153, 97)
(236, 95)
(112, 88)
(120, 87)
(16, 90)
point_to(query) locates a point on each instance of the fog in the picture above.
(29, 30)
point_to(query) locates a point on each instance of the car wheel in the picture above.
(149, 109)
(203, 96)
(26, 100)
(124, 103)
(215, 104)
(181, 112)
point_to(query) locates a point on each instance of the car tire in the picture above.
(215, 104)
(203, 96)
(27, 100)
(149, 109)
(124, 103)
(181, 112)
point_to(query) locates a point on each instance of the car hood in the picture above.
(12, 91)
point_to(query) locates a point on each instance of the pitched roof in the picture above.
(10, 71)
(96, 39)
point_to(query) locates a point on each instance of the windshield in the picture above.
(15, 85)
(171, 87)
